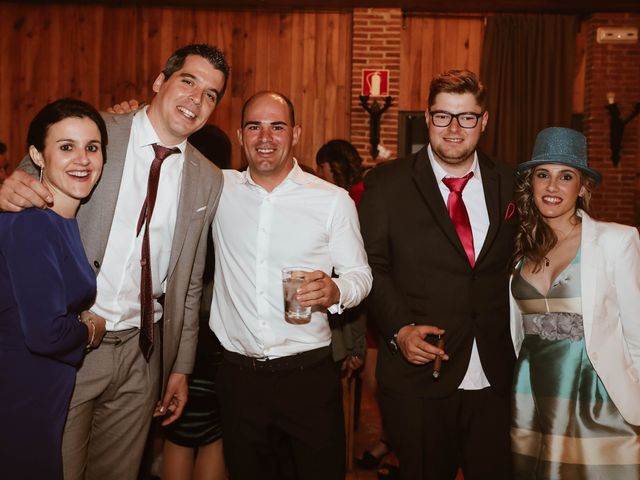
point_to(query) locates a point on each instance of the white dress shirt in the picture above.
(118, 298)
(476, 205)
(303, 222)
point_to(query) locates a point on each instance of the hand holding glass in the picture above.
(292, 280)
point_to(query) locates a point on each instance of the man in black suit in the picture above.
(438, 234)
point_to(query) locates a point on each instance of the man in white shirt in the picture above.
(278, 385)
(438, 231)
(118, 384)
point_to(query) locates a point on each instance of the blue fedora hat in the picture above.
(562, 146)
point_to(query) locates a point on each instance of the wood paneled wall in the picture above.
(431, 45)
(106, 54)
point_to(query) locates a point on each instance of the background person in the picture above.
(45, 282)
(575, 303)
(193, 443)
(340, 163)
(4, 163)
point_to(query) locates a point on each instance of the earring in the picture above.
(41, 172)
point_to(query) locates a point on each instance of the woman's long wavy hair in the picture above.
(535, 238)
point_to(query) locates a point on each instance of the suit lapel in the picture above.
(491, 188)
(186, 205)
(96, 216)
(427, 184)
(590, 258)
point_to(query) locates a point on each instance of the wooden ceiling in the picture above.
(435, 6)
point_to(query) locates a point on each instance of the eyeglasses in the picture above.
(441, 118)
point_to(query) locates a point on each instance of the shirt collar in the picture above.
(147, 135)
(441, 173)
(296, 175)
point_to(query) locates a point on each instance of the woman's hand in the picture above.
(96, 326)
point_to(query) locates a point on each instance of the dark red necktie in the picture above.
(459, 215)
(146, 284)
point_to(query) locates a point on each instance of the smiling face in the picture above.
(453, 146)
(555, 190)
(268, 138)
(72, 161)
(185, 100)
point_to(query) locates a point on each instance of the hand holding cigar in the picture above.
(437, 363)
(413, 342)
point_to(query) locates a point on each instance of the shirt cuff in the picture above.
(337, 308)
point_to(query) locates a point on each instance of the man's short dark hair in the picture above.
(210, 53)
(292, 115)
(3, 148)
(459, 82)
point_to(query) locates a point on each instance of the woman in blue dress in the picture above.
(575, 299)
(45, 283)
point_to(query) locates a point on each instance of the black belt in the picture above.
(292, 362)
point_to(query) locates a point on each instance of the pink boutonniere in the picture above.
(511, 210)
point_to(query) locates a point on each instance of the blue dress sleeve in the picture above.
(35, 252)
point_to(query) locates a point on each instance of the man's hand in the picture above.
(21, 191)
(318, 290)
(175, 398)
(413, 346)
(125, 107)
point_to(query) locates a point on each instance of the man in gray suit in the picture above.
(117, 388)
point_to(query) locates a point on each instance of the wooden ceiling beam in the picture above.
(435, 6)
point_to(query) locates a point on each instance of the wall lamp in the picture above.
(616, 125)
(375, 111)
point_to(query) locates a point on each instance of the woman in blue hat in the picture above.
(575, 323)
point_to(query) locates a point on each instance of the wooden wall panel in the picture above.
(431, 45)
(105, 54)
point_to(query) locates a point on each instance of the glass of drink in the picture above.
(292, 279)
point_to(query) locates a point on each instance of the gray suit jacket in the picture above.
(199, 196)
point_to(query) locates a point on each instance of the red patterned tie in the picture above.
(146, 287)
(459, 215)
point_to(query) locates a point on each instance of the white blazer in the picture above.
(610, 285)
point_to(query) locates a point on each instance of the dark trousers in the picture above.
(433, 437)
(282, 419)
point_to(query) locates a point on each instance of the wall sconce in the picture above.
(617, 125)
(375, 112)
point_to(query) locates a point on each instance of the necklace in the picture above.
(547, 262)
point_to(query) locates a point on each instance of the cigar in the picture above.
(437, 363)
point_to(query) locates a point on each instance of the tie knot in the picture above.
(457, 184)
(163, 152)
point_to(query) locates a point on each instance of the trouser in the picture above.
(433, 437)
(282, 418)
(111, 409)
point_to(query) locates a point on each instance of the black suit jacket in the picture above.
(421, 274)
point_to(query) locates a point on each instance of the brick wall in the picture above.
(616, 68)
(376, 44)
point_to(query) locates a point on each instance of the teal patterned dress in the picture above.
(564, 425)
